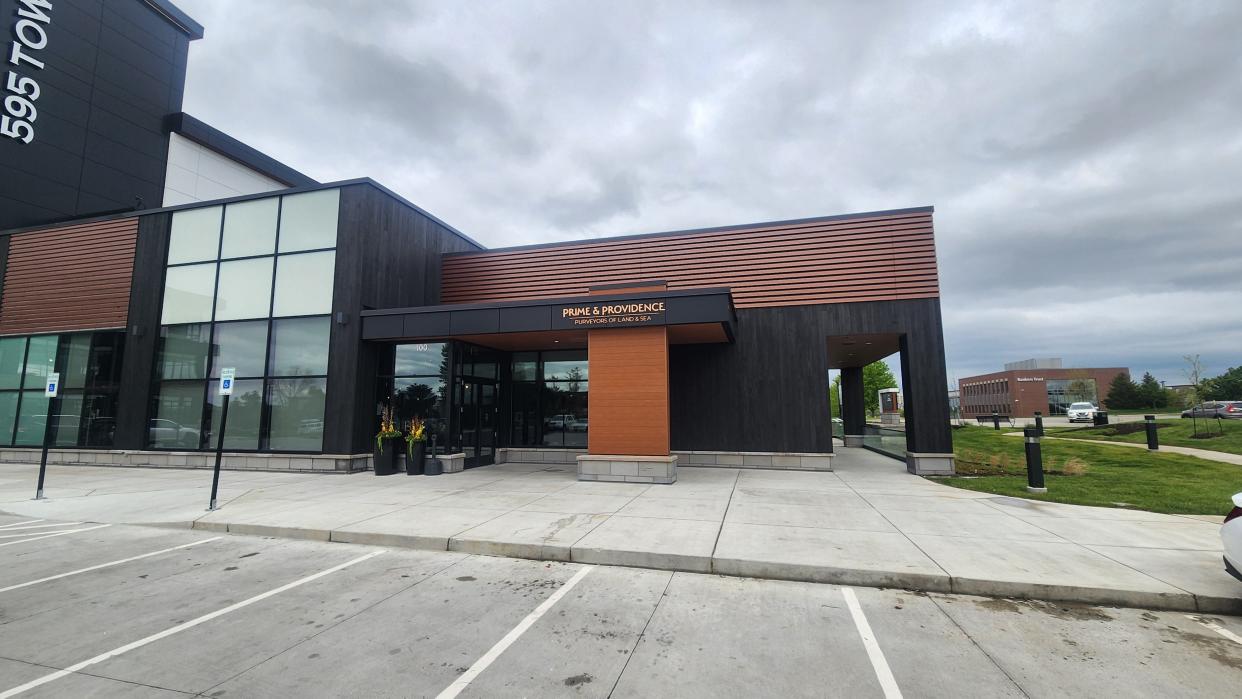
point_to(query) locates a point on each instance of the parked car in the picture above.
(1227, 409)
(1081, 412)
(579, 425)
(558, 422)
(167, 432)
(1231, 537)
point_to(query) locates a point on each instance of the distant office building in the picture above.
(1044, 363)
(1021, 392)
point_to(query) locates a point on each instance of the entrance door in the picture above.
(478, 416)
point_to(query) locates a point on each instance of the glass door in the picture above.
(477, 414)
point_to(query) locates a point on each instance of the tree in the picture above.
(1151, 393)
(1081, 388)
(834, 396)
(1227, 386)
(876, 375)
(1123, 393)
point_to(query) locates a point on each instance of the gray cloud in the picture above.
(1084, 159)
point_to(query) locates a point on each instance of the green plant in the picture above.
(388, 428)
(416, 432)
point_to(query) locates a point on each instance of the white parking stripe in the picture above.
(490, 656)
(6, 530)
(181, 627)
(882, 672)
(21, 534)
(1218, 629)
(48, 536)
(14, 524)
(105, 565)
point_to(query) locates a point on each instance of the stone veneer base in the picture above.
(233, 461)
(930, 464)
(623, 468)
(791, 461)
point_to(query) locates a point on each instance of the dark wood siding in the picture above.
(883, 257)
(143, 332)
(70, 278)
(769, 390)
(387, 256)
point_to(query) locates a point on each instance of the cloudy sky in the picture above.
(1084, 158)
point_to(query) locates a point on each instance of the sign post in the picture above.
(50, 390)
(227, 375)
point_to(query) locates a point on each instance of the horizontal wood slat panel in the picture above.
(868, 258)
(71, 278)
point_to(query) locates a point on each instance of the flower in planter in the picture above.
(388, 428)
(416, 432)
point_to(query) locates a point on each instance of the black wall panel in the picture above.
(769, 390)
(112, 71)
(387, 256)
(143, 331)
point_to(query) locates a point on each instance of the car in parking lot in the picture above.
(1231, 537)
(1227, 409)
(1081, 412)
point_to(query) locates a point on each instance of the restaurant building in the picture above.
(626, 355)
(1035, 385)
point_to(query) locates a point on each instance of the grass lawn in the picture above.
(1095, 474)
(1172, 432)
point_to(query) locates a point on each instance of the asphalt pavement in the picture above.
(116, 610)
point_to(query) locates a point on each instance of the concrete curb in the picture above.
(918, 582)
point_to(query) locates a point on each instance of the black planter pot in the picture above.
(414, 463)
(386, 458)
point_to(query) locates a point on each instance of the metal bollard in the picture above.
(1153, 442)
(995, 420)
(1039, 422)
(1034, 462)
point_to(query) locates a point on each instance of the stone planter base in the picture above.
(452, 463)
(628, 469)
(930, 464)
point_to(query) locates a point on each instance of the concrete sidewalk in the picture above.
(867, 523)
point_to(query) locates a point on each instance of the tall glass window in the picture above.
(253, 293)
(418, 387)
(84, 413)
(548, 398)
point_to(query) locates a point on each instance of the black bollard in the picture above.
(1039, 423)
(1034, 462)
(995, 420)
(1153, 442)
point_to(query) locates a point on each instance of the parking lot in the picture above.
(91, 610)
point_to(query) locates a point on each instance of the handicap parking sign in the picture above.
(226, 380)
(53, 385)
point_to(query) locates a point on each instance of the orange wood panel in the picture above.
(861, 258)
(627, 403)
(70, 278)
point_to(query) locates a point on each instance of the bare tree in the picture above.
(1194, 374)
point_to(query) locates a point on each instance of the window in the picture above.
(304, 284)
(419, 387)
(195, 235)
(308, 221)
(548, 398)
(250, 228)
(188, 293)
(84, 414)
(245, 289)
(296, 407)
(234, 298)
(300, 346)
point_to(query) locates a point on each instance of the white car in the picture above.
(1231, 537)
(1081, 412)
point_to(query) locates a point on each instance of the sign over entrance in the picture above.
(608, 314)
